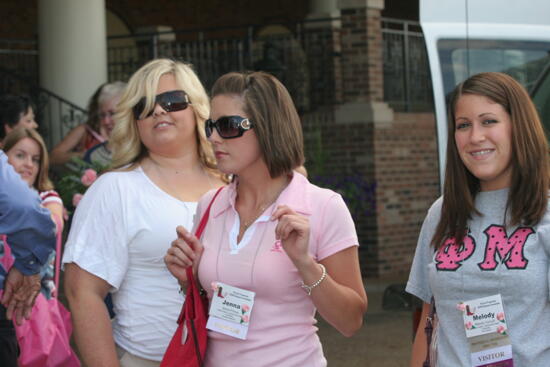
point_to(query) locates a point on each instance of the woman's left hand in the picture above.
(293, 232)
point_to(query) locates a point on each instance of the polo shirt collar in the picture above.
(295, 195)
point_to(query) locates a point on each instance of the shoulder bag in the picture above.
(431, 337)
(44, 339)
(188, 345)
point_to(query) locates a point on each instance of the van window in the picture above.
(541, 97)
(523, 60)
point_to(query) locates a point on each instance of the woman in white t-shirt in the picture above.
(123, 226)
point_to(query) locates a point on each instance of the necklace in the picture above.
(246, 224)
(173, 181)
(163, 169)
(263, 207)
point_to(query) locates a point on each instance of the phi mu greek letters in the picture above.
(451, 255)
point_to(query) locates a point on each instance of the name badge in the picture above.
(486, 330)
(230, 310)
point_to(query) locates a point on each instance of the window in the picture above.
(523, 60)
(541, 97)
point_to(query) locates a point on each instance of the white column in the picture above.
(73, 47)
(322, 9)
(73, 59)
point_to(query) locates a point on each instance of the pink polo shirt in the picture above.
(282, 329)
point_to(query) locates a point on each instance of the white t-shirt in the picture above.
(120, 232)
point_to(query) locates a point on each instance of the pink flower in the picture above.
(88, 177)
(468, 325)
(246, 308)
(500, 316)
(461, 307)
(76, 199)
(245, 319)
(501, 329)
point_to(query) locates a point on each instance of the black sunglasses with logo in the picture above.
(228, 127)
(174, 100)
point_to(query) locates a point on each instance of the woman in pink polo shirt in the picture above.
(276, 248)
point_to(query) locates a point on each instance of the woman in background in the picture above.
(97, 128)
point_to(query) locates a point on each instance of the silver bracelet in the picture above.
(309, 288)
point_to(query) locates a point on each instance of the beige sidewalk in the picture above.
(384, 340)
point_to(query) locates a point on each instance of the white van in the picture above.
(541, 96)
(466, 37)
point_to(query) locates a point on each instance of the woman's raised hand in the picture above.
(293, 232)
(185, 251)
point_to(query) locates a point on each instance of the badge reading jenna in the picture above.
(487, 332)
(230, 310)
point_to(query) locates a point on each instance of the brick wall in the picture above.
(398, 159)
(405, 154)
(338, 152)
(362, 55)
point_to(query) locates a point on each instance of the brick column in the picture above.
(363, 113)
(362, 63)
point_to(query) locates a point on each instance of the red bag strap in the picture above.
(189, 271)
(206, 214)
(429, 331)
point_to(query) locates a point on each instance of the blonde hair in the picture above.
(125, 140)
(42, 181)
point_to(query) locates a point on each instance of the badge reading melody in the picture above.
(230, 310)
(486, 330)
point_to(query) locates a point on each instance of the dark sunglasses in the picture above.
(228, 127)
(174, 100)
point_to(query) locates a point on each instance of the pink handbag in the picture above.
(44, 339)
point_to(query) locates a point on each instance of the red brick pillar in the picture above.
(363, 113)
(362, 61)
(362, 50)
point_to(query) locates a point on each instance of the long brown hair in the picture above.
(42, 182)
(528, 193)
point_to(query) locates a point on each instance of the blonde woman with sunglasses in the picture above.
(276, 248)
(124, 224)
